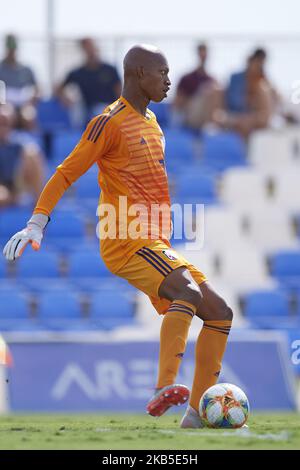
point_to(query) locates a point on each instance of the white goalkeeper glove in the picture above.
(33, 234)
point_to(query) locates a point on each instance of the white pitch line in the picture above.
(244, 433)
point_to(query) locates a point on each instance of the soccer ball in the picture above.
(224, 406)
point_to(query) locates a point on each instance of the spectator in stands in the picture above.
(98, 82)
(21, 87)
(21, 166)
(195, 93)
(249, 100)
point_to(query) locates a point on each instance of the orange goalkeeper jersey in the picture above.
(129, 151)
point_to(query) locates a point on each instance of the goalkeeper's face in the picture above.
(155, 81)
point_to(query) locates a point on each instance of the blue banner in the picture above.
(120, 376)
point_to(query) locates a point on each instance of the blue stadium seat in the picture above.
(36, 265)
(180, 151)
(196, 188)
(59, 305)
(65, 224)
(87, 264)
(13, 306)
(269, 310)
(13, 220)
(162, 112)
(285, 266)
(107, 323)
(87, 186)
(59, 310)
(41, 285)
(63, 144)
(10, 286)
(14, 312)
(111, 309)
(2, 267)
(111, 282)
(266, 303)
(223, 150)
(111, 303)
(52, 115)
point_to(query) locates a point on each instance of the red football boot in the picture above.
(166, 397)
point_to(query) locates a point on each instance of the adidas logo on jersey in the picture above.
(143, 141)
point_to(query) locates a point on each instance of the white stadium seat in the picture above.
(223, 227)
(271, 149)
(243, 188)
(287, 191)
(204, 259)
(270, 228)
(243, 267)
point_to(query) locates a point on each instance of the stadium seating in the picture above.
(243, 187)
(86, 264)
(243, 267)
(12, 220)
(195, 188)
(179, 150)
(59, 305)
(66, 224)
(2, 267)
(266, 303)
(162, 112)
(15, 306)
(65, 230)
(111, 309)
(223, 150)
(245, 221)
(87, 186)
(38, 265)
(59, 310)
(223, 227)
(63, 143)
(269, 149)
(52, 115)
(270, 227)
(269, 309)
(14, 312)
(285, 266)
(203, 258)
(287, 190)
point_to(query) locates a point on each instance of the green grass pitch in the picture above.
(120, 431)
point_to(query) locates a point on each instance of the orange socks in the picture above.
(173, 336)
(210, 348)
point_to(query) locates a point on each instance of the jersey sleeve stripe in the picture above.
(116, 111)
(95, 128)
(98, 123)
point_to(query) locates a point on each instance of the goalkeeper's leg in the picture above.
(184, 295)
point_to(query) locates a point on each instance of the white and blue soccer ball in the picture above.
(224, 406)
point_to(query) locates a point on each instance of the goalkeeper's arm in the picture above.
(84, 155)
(33, 233)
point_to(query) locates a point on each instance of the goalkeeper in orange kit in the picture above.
(127, 144)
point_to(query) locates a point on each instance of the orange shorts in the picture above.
(149, 266)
